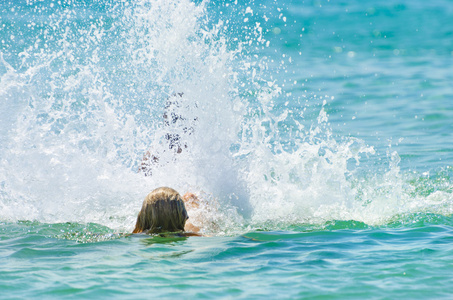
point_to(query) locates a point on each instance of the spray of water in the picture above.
(97, 96)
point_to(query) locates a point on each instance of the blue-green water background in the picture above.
(334, 182)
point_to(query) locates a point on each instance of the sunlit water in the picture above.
(320, 143)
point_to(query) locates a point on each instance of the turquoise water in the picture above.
(322, 148)
(337, 260)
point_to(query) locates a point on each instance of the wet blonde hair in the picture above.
(163, 210)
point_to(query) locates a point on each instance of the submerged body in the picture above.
(177, 127)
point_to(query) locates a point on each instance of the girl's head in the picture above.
(163, 210)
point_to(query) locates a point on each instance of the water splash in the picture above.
(84, 97)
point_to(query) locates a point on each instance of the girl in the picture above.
(163, 210)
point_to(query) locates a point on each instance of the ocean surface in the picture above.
(317, 134)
